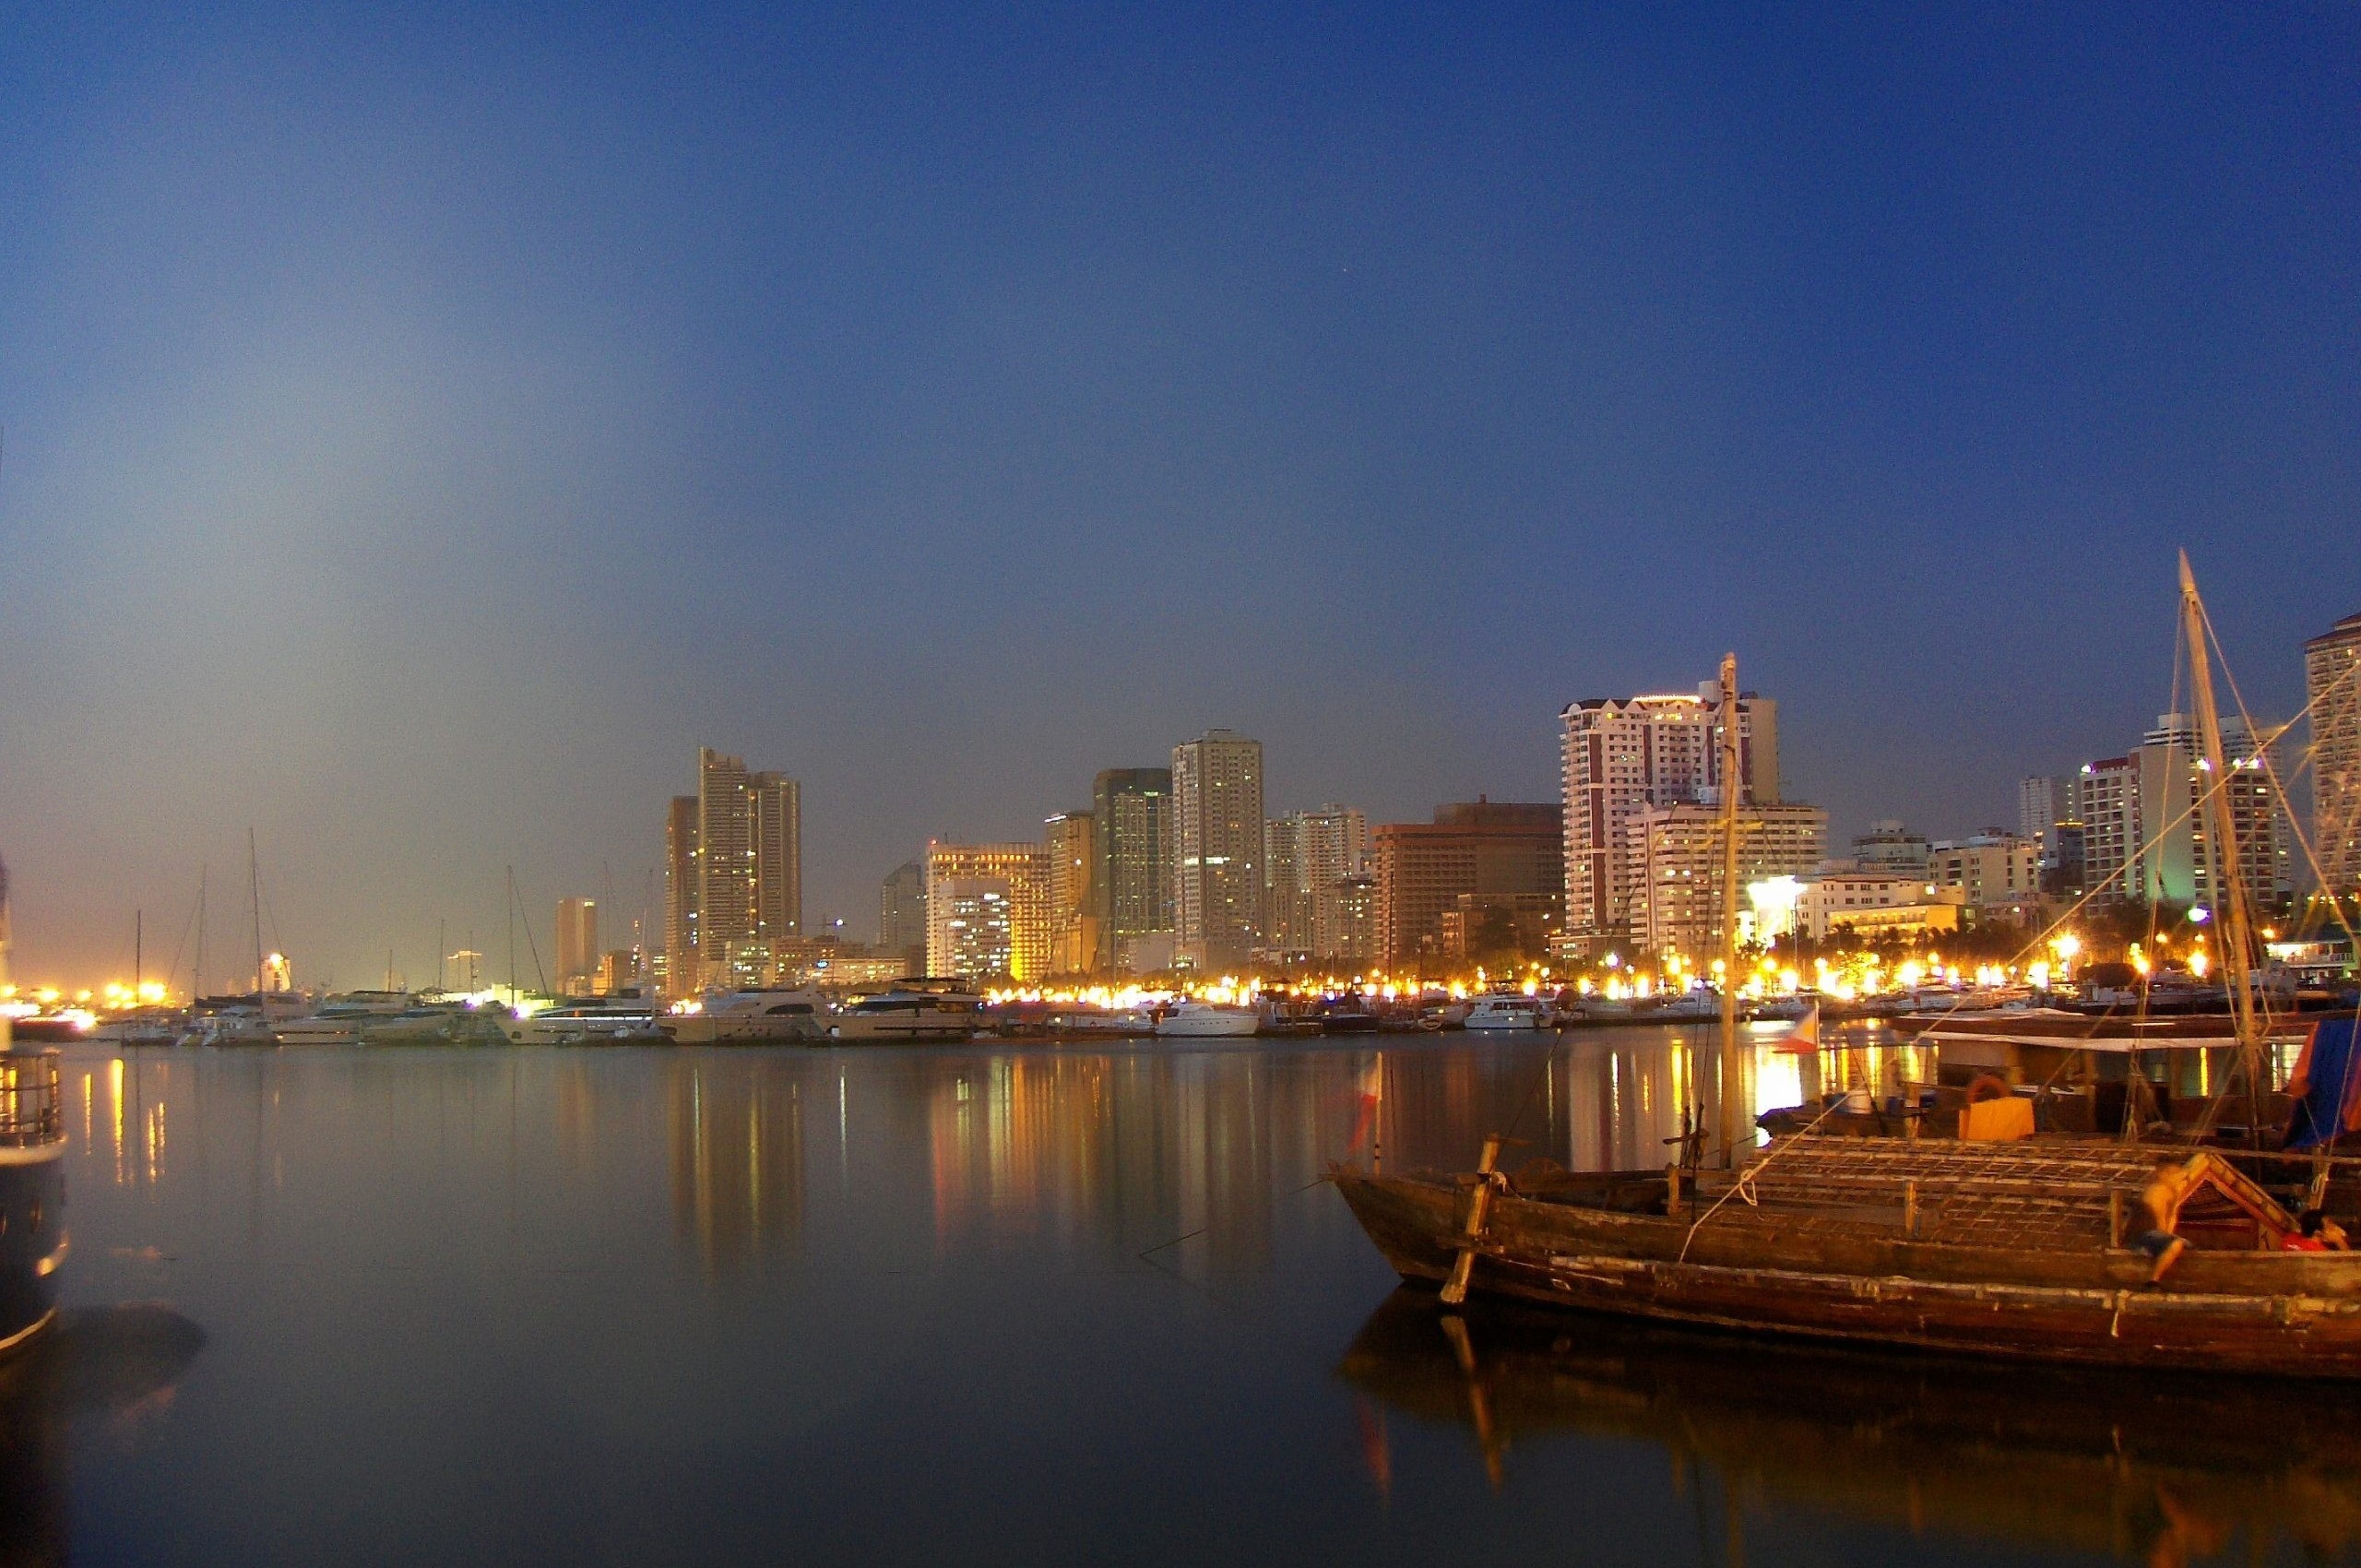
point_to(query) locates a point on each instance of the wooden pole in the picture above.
(1479, 1205)
(2226, 886)
(1732, 766)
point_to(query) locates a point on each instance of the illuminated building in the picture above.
(748, 859)
(1674, 867)
(1304, 854)
(2106, 800)
(1216, 849)
(1482, 846)
(988, 910)
(1071, 840)
(901, 914)
(1132, 882)
(1988, 869)
(2332, 681)
(577, 944)
(1872, 899)
(680, 897)
(618, 972)
(1344, 922)
(2145, 836)
(1620, 757)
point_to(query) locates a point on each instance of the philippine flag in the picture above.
(1372, 1091)
(1805, 1036)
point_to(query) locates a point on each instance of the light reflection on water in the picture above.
(859, 1304)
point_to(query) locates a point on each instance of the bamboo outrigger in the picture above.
(2041, 1249)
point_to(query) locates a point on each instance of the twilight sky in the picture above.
(422, 433)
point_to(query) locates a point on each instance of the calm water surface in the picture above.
(654, 1306)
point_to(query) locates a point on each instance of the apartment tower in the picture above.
(1131, 838)
(1217, 849)
(2332, 678)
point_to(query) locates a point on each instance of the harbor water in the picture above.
(997, 1304)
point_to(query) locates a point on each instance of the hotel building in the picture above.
(1217, 850)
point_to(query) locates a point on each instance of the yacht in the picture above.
(1511, 1011)
(623, 1018)
(229, 1026)
(1193, 1019)
(1102, 1022)
(907, 1015)
(751, 1017)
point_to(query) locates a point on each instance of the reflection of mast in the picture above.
(1731, 765)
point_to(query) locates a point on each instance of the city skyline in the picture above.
(364, 405)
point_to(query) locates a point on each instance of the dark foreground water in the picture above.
(640, 1307)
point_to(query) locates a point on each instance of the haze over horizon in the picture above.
(422, 433)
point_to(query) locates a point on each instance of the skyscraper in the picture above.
(725, 853)
(1623, 756)
(1675, 871)
(577, 944)
(1071, 839)
(2145, 835)
(777, 804)
(681, 896)
(2332, 679)
(2037, 801)
(1133, 841)
(1217, 849)
(988, 910)
(901, 914)
(1305, 855)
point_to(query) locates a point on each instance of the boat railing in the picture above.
(32, 1113)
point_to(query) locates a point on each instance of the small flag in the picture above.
(1805, 1036)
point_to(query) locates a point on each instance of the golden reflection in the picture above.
(114, 1096)
(2164, 1471)
(737, 1145)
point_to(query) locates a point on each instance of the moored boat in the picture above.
(1510, 1010)
(1191, 1018)
(941, 1011)
(750, 1017)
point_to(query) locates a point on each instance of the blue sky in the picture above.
(424, 429)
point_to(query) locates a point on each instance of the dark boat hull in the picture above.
(33, 1241)
(2276, 1313)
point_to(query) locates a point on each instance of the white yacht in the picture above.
(235, 1025)
(1193, 1019)
(908, 1016)
(751, 1017)
(622, 1020)
(1508, 1010)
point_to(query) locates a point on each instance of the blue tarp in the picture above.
(2327, 1086)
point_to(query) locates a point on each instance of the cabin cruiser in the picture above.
(1104, 1022)
(1511, 1011)
(1191, 1019)
(342, 1020)
(751, 1017)
(908, 1016)
(620, 1019)
(229, 1026)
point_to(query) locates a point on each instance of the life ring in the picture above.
(1987, 1086)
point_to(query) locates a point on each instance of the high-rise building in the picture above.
(2037, 801)
(1486, 847)
(725, 852)
(901, 914)
(1071, 839)
(988, 910)
(577, 944)
(1674, 870)
(2107, 802)
(2147, 835)
(1620, 757)
(776, 804)
(1132, 882)
(2332, 682)
(1217, 849)
(1304, 854)
(1343, 923)
(681, 896)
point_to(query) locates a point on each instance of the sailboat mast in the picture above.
(139, 937)
(197, 966)
(254, 888)
(2228, 887)
(1731, 767)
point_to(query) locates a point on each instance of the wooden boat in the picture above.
(1975, 1248)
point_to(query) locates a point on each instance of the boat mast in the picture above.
(1731, 765)
(254, 887)
(2228, 889)
(197, 965)
(139, 933)
(7, 1039)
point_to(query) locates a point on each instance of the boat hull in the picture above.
(32, 1239)
(2293, 1315)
